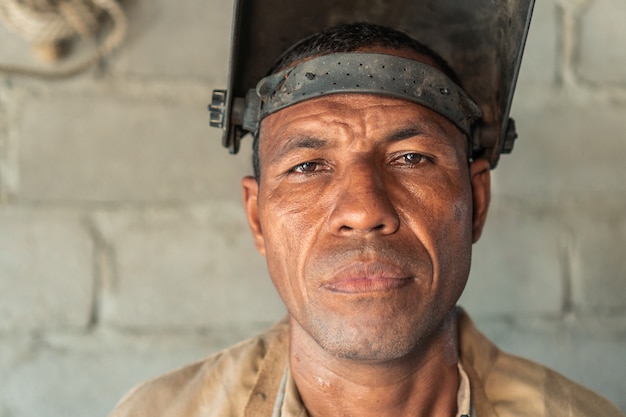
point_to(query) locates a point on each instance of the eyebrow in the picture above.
(299, 142)
(404, 133)
(411, 131)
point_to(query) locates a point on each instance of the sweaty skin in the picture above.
(366, 210)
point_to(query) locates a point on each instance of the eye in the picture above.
(413, 158)
(410, 159)
(307, 167)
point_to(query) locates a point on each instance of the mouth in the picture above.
(359, 278)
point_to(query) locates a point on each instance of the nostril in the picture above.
(363, 205)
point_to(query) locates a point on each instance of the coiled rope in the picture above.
(47, 23)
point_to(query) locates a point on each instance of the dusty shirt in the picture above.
(252, 379)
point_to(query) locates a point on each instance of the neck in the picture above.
(424, 382)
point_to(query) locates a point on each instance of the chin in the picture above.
(372, 340)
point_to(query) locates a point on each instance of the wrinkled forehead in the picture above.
(403, 75)
(356, 116)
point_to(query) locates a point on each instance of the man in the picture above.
(365, 202)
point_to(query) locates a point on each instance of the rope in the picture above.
(49, 22)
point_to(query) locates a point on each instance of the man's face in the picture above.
(365, 213)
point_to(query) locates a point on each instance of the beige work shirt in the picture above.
(252, 379)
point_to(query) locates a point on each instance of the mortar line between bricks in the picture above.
(118, 206)
(565, 258)
(99, 258)
(561, 45)
(9, 170)
(190, 92)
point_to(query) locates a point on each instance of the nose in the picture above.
(362, 203)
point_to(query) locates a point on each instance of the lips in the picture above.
(360, 277)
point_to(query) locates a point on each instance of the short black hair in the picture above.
(348, 37)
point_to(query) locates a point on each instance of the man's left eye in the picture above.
(411, 158)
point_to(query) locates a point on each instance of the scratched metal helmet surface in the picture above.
(482, 40)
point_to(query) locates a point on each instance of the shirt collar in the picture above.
(289, 404)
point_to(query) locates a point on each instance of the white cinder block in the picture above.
(46, 270)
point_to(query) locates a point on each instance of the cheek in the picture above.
(297, 210)
(460, 211)
(291, 224)
(455, 238)
(440, 213)
(454, 215)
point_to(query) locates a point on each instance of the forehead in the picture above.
(352, 108)
(362, 115)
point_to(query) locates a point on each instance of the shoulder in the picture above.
(507, 385)
(517, 384)
(218, 385)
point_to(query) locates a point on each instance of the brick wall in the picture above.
(123, 245)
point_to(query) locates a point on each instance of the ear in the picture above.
(480, 177)
(250, 188)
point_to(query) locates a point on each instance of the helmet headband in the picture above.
(361, 73)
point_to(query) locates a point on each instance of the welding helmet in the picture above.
(482, 41)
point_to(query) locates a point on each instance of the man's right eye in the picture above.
(306, 167)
